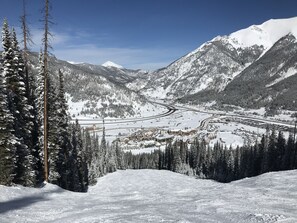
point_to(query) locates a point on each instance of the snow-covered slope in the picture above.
(157, 196)
(265, 34)
(204, 73)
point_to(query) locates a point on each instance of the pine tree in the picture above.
(263, 151)
(176, 162)
(272, 151)
(287, 158)
(24, 117)
(237, 163)
(120, 157)
(280, 150)
(68, 157)
(95, 166)
(18, 107)
(55, 157)
(7, 138)
(230, 165)
(39, 116)
(77, 145)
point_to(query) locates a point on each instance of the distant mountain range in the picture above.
(253, 67)
(99, 91)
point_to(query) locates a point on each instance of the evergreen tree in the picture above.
(263, 151)
(39, 118)
(18, 107)
(272, 151)
(7, 138)
(287, 158)
(120, 157)
(24, 117)
(68, 157)
(237, 164)
(55, 155)
(280, 150)
(77, 142)
(176, 161)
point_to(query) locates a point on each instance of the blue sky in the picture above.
(146, 34)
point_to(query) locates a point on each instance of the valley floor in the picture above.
(156, 196)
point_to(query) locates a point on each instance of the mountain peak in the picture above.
(112, 64)
(265, 34)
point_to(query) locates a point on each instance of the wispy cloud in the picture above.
(72, 45)
(148, 59)
(55, 39)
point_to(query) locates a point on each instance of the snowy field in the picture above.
(157, 196)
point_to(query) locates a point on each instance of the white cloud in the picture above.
(148, 59)
(55, 39)
(68, 46)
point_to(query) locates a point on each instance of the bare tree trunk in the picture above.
(26, 38)
(45, 60)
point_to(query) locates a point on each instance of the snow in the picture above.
(265, 34)
(112, 64)
(145, 150)
(283, 75)
(156, 196)
(73, 62)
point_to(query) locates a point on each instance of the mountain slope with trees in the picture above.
(254, 67)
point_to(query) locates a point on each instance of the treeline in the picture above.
(75, 158)
(273, 153)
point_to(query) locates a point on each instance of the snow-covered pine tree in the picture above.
(91, 145)
(120, 157)
(17, 105)
(272, 151)
(111, 159)
(7, 138)
(230, 164)
(77, 145)
(288, 158)
(55, 155)
(39, 102)
(69, 173)
(176, 162)
(24, 117)
(281, 149)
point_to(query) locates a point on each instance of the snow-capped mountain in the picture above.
(227, 68)
(112, 64)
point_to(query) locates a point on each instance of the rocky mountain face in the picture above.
(211, 67)
(97, 90)
(252, 67)
(271, 80)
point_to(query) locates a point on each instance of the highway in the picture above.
(123, 124)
